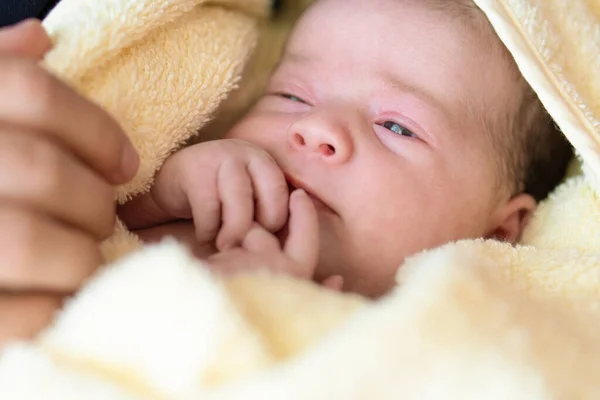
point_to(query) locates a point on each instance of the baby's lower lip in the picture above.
(319, 205)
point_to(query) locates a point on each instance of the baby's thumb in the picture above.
(302, 243)
(25, 39)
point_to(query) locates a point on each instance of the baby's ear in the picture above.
(509, 220)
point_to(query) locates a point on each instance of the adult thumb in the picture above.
(26, 39)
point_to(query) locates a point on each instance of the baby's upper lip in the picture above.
(296, 183)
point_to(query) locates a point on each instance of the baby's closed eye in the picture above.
(399, 129)
(291, 97)
(392, 126)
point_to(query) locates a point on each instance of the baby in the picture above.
(396, 125)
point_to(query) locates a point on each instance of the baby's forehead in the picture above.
(462, 14)
(452, 33)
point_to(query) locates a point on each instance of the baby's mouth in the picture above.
(294, 184)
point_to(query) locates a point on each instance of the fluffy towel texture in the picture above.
(471, 320)
(126, 55)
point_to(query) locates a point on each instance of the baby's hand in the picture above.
(261, 250)
(223, 185)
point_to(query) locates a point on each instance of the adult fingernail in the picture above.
(18, 24)
(130, 162)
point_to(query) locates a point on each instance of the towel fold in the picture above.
(475, 319)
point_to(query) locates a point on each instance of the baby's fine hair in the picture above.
(533, 152)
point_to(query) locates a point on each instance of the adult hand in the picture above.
(60, 158)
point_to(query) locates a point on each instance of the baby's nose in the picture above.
(325, 149)
(330, 146)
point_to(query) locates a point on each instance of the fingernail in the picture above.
(130, 162)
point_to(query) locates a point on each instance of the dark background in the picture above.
(13, 11)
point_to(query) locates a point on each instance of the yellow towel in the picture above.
(470, 320)
(127, 55)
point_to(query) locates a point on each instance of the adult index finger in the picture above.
(27, 39)
(31, 97)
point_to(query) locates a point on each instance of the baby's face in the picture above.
(374, 111)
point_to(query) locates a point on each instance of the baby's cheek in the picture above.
(262, 132)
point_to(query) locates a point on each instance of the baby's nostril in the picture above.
(327, 149)
(299, 139)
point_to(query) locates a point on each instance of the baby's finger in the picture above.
(259, 240)
(237, 203)
(271, 193)
(206, 214)
(302, 243)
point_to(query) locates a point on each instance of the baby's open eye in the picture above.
(399, 129)
(291, 97)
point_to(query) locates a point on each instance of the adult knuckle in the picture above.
(36, 87)
(107, 215)
(45, 167)
(19, 235)
(109, 140)
(30, 161)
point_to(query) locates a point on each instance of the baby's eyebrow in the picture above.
(450, 108)
(422, 92)
(297, 58)
(292, 57)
